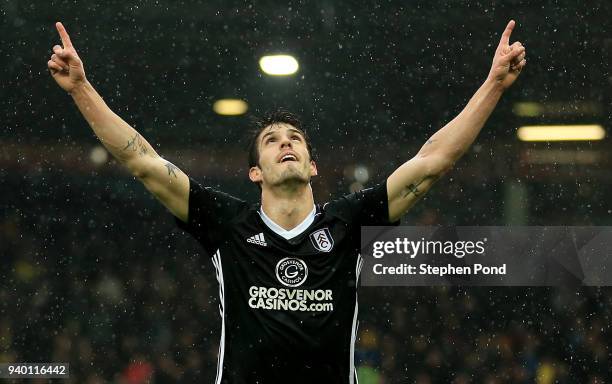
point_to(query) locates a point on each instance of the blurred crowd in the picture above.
(95, 274)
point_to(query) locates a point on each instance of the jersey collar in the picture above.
(288, 234)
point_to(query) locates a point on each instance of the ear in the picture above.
(255, 174)
(313, 168)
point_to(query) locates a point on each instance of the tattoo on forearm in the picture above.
(430, 141)
(413, 188)
(171, 169)
(142, 150)
(136, 144)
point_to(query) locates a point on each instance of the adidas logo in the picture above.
(258, 239)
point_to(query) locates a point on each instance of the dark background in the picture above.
(94, 273)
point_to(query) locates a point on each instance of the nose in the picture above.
(286, 142)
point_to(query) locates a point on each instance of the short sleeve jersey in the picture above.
(288, 306)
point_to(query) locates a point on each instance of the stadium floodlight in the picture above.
(279, 65)
(561, 132)
(230, 107)
(527, 109)
(557, 108)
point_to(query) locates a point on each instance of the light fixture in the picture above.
(527, 109)
(98, 155)
(561, 132)
(557, 108)
(279, 65)
(230, 107)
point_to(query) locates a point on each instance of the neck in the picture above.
(287, 207)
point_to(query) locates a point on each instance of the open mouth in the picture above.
(288, 157)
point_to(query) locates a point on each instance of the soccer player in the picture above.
(287, 268)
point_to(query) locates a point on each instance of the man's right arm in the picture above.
(163, 179)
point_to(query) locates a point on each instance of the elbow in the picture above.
(440, 164)
(446, 165)
(440, 161)
(138, 174)
(137, 169)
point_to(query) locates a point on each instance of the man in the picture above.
(287, 268)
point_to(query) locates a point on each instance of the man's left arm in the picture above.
(415, 177)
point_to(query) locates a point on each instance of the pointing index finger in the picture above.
(63, 35)
(505, 38)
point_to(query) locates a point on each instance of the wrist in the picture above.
(79, 88)
(494, 84)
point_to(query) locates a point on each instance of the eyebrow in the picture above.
(294, 130)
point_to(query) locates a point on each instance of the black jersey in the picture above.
(288, 307)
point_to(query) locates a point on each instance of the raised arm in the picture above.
(415, 177)
(164, 180)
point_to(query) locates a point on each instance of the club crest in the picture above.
(322, 240)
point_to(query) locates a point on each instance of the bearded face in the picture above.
(283, 157)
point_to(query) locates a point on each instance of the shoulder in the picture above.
(369, 206)
(213, 203)
(347, 206)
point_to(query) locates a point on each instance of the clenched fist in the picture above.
(65, 65)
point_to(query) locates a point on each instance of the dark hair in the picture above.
(271, 118)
